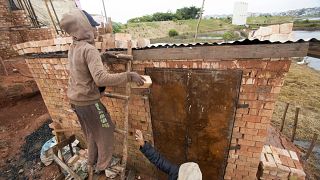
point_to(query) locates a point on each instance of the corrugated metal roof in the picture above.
(239, 42)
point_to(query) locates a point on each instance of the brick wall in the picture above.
(261, 83)
(262, 80)
(13, 30)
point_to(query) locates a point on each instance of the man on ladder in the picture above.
(87, 74)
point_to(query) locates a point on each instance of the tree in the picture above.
(187, 13)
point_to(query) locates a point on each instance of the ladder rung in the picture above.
(117, 96)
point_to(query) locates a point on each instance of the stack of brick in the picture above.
(119, 40)
(279, 163)
(261, 83)
(20, 18)
(278, 32)
(15, 29)
(37, 34)
(5, 20)
(44, 46)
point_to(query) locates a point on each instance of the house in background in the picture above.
(240, 13)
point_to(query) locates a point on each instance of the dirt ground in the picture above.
(301, 89)
(19, 145)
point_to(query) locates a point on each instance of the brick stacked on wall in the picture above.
(10, 34)
(20, 18)
(51, 77)
(5, 19)
(37, 34)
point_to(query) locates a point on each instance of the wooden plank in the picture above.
(63, 144)
(224, 52)
(65, 167)
(314, 49)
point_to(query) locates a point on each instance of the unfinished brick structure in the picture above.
(16, 28)
(262, 68)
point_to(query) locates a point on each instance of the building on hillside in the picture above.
(240, 13)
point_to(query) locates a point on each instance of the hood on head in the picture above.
(76, 24)
(189, 171)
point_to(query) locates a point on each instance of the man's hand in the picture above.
(135, 77)
(139, 137)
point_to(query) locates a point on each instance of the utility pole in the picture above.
(105, 13)
(200, 17)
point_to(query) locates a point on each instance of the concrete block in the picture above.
(275, 28)
(286, 28)
(279, 37)
(265, 31)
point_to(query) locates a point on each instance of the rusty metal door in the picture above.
(192, 113)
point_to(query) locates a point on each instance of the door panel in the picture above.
(192, 115)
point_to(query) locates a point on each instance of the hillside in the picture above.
(210, 29)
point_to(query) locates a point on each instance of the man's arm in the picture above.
(159, 161)
(156, 158)
(100, 75)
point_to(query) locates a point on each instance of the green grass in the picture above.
(269, 19)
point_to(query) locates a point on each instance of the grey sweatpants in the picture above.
(98, 129)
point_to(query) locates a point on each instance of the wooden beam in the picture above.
(314, 49)
(295, 124)
(284, 117)
(224, 52)
(4, 67)
(65, 167)
(313, 143)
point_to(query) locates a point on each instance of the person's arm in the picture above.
(156, 158)
(100, 75)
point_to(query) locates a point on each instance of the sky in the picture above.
(122, 10)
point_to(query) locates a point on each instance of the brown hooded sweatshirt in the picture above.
(87, 72)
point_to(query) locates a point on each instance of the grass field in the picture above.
(158, 31)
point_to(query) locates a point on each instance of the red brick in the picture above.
(253, 111)
(276, 82)
(251, 118)
(276, 90)
(269, 105)
(254, 104)
(267, 97)
(262, 82)
(282, 65)
(246, 142)
(262, 132)
(266, 112)
(255, 149)
(265, 120)
(248, 88)
(248, 96)
(250, 125)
